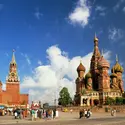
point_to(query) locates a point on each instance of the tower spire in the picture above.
(116, 58)
(13, 57)
(95, 38)
(80, 61)
(102, 52)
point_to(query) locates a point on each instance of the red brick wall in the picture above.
(24, 97)
(0, 97)
(13, 90)
(6, 98)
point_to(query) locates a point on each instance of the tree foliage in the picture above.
(109, 101)
(64, 98)
(119, 100)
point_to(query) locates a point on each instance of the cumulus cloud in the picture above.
(115, 34)
(80, 15)
(27, 58)
(39, 62)
(47, 80)
(4, 86)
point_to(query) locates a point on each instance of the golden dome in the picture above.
(88, 75)
(81, 67)
(113, 75)
(117, 68)
(103, 63)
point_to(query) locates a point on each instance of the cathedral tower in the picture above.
(80, 81)
(94, 63)
(103, 78)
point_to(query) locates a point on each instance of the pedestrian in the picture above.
(80, 114)
(88, 114)
(85, 113)
(54, 113)
(32, 114)
(112, 112)
(71, 111)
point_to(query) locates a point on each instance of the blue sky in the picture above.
(33, 27)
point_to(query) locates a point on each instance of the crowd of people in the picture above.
(44, 114)
(85, 113)
(20, 113)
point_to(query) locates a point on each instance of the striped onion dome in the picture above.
(103, 63)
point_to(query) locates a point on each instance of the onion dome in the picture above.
(113, 75)
(81, 67)
(88, 75)
(103, 63)
(117, 67)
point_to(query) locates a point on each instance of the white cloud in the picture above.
(101, 10)
(4, 86)
(39, 62)
(60, 72)
(80, 14)
(115, 34)
(123, 9)
(27, 58)
(118, 4)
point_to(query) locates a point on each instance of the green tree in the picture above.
(109, 101)
(64, 98)
(119, 100)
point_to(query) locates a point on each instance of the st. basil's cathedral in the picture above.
(97, 84)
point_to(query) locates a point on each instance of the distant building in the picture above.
(97, 84)
(12, 96)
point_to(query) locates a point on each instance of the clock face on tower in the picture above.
(13, 74)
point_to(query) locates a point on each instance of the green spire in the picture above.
(13, 58)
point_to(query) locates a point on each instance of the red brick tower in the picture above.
(103, 78)
(80, 81)
(94, 64)
(12, 82)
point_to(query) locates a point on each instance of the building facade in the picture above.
(11, 96)
(97, 83)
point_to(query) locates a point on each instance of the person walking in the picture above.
(80, 114)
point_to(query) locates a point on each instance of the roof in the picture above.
(80, 67)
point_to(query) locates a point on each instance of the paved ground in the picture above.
(69, 119)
